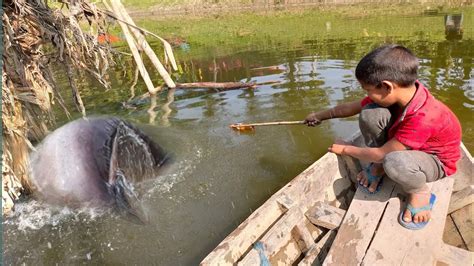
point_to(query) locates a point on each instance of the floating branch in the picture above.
(216, 85)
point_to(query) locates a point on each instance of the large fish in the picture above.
(95, 162)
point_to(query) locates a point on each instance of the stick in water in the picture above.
(249, 127)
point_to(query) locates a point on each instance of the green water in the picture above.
(304, 62)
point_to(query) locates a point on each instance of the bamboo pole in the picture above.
(168, 49)
(120, 10)
(134, 49)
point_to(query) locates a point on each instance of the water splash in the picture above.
(175, 174)
(34, 215)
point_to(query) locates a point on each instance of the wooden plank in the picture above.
(461, 198)
(451, 235)
(302, 236)
(276, 238)
(315, 231)
(358, 226)
(450, 255)
(286, 256)
(316, 183)
(285, 201)
(463, 220)
(241, 239)
(394, 244)
(325, 215)
(309, 186)
(352, 166)
(313, 253)
(465, 175)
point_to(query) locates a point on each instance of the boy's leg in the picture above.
(374, 122)
(412, 170)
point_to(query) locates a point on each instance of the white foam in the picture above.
(34, 215)
(175, 174)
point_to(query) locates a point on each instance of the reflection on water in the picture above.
(220, 176)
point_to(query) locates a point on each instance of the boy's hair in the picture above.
(393, 62)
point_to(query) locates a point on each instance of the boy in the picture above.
(411, 137)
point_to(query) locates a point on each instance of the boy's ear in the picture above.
(388, 85)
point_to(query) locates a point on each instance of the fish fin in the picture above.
(126, 200)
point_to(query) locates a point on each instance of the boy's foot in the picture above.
(376, 170)
(418, 200)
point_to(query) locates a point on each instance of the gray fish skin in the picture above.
(74, 165)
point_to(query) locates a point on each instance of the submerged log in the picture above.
(216, 85)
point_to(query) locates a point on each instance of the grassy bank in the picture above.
(234, 32)
(200, 7)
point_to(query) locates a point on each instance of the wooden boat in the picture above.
(320, 218)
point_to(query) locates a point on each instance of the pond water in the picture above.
(219, 176)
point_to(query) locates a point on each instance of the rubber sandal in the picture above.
(263, 258)
(371, 178)
(414, 211)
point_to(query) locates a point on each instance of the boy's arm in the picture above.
(339, 111)
(368, 154)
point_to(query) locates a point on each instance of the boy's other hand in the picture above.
(337, 148)
(312, 120)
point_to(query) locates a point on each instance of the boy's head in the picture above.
(393, 63)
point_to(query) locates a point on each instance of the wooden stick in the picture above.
(117, 6)
(273, 123)
(134, 49)
(120, 10)
(251, 127)
(168, 49)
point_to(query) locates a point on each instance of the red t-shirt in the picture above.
(428, 125)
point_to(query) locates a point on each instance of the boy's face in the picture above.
(382, 95)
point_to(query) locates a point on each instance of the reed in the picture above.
(37, 36)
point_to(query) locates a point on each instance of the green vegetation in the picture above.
(230, 33)
(145, 4)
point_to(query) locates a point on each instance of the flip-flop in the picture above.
(416, 226)
(371, 178)
(263, 258)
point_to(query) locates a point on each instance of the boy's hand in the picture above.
(337, 148)
(312, 120)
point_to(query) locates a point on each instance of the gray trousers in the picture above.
(410, 169)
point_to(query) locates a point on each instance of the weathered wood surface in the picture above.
(307, 188)
(463, 220)
(325, 215)
(465, 175)
(394, 244)
(277, 238)
(302, 235)
(241, 239)
(451, 235)
(461, 198)
(449, 255)
(362, 232)
(358, 226)
(314, 252)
